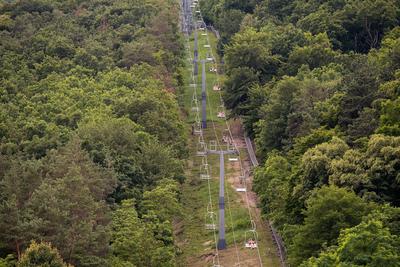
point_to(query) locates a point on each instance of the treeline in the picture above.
(317, 84)
(91, 140)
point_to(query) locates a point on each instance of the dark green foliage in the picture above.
(237, 89)
(367, 244)
(88, 118)
(329, 209)
(360, 88)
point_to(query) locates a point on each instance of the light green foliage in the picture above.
(131, 242)
(227, 16)
(315, 164)
(389, 120)
(316, 88)
(271, 185)
(368, 244)
(328, 210)
(322, 20)
(147, 241)
(388, 55)
(290, 110)
(282, 39)
(8, 261)
(41, 254)
(349, 171)
(316, 136)
(371, 173)
(162, 200)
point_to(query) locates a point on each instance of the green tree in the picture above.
(316, 53)
(271, 185)
(131, 242)
(70, 204)
(366, 21)
(361, 88)
(324, 20)
(315, 137)
(271, 129)
(237, 87)
(315, 87)
(328, 211)
(370, 171)
(389, 119)
(41, 254)
(368, 244)
(277, 8)
(160, 207)
(316, 163)
(136, 156)
(18, 224)
(8, 261)
(248, 49)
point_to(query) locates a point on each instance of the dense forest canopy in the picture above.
(316, 84)
(91, 139)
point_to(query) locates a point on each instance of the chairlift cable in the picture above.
(201, 137)
(239, 156)
(227, 193)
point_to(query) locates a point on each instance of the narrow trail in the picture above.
(213, 168)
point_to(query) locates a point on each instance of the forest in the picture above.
(317, 85)
(93, 142)
(91, 138)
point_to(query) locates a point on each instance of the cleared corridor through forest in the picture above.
(215, 148)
